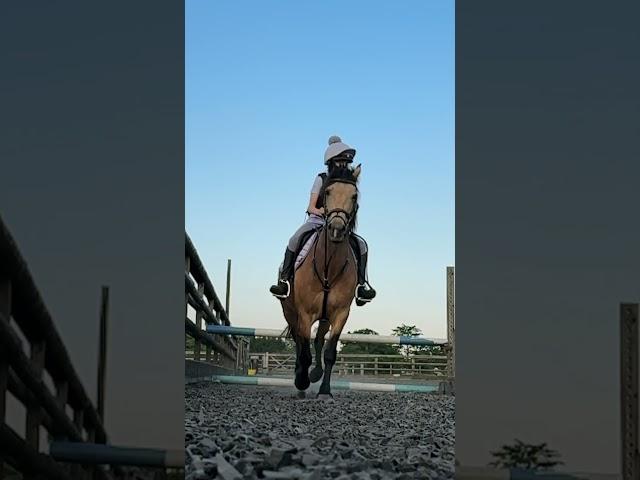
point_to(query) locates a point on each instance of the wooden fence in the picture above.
(226, 353)
(429, 367)
(35, 369)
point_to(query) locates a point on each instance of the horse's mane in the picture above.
(345, 174)
(341, 173)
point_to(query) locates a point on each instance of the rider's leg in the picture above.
(365, 292)
(282, 289)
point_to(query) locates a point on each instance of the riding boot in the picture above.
(365, 292)
(282, 289)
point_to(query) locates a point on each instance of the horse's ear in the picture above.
(357, 170)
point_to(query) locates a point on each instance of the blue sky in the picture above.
(267, 83)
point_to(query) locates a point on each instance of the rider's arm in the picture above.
(312, 205)
(313, 199)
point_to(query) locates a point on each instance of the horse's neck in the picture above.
(335, 252)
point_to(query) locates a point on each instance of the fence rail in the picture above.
(416, 366)
(31, 353)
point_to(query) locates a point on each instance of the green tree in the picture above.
(367, 348)
(271, 345)
(526, 456)
(408, 331)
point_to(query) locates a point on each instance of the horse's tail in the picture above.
(286, 333)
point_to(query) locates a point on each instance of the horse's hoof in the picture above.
(325, 397)
(315, 374)
(302, 384)
(300, 395)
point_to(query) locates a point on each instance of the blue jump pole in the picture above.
(93, 453)
(486, 473)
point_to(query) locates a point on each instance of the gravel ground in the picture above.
(234, 432)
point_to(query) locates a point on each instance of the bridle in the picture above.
(349, 217)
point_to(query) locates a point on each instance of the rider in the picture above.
(337, 155)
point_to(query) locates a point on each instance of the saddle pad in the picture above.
(305, 249)
(308, 245)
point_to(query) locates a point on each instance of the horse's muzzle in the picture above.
(337, 233)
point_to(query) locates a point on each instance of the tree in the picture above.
(408, 331)
(526, 456)
(367, 348)
(271, 345)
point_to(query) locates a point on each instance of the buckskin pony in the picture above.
(323, 287)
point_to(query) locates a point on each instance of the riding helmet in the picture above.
(336, 147)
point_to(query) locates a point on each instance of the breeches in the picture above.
(311, 224)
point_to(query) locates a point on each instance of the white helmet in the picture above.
(336, 147)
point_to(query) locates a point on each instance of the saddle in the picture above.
(307, 241)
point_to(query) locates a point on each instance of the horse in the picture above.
(324, 286)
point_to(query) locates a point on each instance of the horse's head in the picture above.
(341, 202)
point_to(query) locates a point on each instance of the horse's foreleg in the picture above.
(303, 356)
(331, 352)
(318, 343)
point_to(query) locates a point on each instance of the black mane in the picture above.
(341, 173)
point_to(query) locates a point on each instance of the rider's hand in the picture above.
(316, 211)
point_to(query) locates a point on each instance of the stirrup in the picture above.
(285, 295)
(360, 300)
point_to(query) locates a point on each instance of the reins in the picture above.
(324, 278)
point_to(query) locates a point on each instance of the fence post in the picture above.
(5, 311)
(199, 315)
(362, 369)
(239, 353)
(451, 323)
(102, 356)
(629, 390)
(187, 267)
(226, 306)
(375, 366)
(34, 411)
(62, 393)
